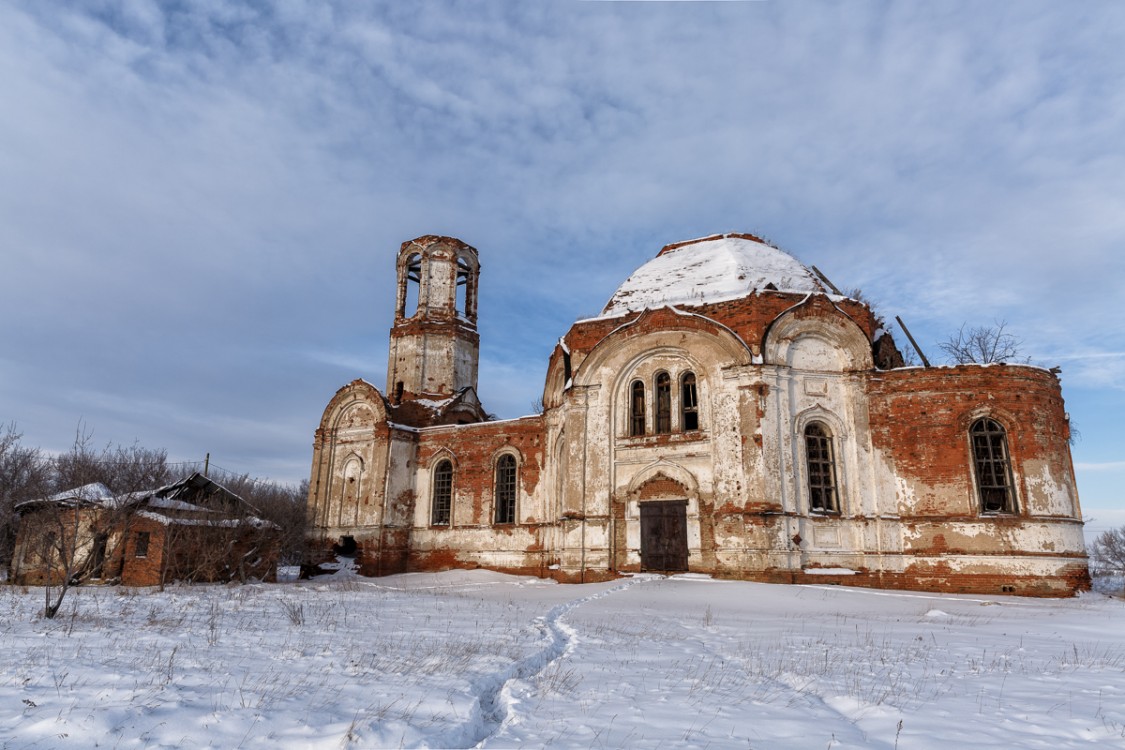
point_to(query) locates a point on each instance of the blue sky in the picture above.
(201, 201)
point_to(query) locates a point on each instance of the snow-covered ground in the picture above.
(464, 659)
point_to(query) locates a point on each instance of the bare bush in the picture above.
(23, 476)
(123, 470)
(910, 357)
(1107, 552)
(983, 345)
(73, 530)
(282, 505)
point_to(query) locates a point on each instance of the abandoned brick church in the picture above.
(727, 413)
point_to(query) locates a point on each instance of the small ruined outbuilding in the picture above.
(194, 529)
(726, 413)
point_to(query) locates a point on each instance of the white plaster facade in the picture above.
(809, 453)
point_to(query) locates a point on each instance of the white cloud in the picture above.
(1102, 466)
(222, 179)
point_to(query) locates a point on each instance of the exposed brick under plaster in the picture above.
(910, 516)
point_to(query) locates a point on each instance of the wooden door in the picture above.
(664, 535)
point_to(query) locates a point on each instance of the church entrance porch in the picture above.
(664, 543)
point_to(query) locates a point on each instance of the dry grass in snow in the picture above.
(465, 659)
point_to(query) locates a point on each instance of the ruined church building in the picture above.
(726, 413)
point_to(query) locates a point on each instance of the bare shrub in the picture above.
(23, 476)
(295, 611)
(1107, 552)
(282, 505)
(73, 538)
(983, 345)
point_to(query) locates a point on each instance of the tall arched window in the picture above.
(821, 464)
(562, 464)
(410, 282)
(464, 289)
(663, 403)
(637, 409)
(352, 490)
(505, 489)
(689, 402)
(441, 499)
(993, 466)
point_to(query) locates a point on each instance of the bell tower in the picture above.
(435, 346)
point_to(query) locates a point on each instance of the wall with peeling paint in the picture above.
(907, 509)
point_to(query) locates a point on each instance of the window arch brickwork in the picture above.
(689, 403)
(441, 496)
(671, 406)
(820, 463)
(663, 403)
(409, 286)
(637, 409)
(993, 466)
(505, 489)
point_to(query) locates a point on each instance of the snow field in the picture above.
(465, 659)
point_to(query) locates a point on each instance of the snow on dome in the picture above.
(711, 269)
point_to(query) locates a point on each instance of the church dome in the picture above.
(711, 269)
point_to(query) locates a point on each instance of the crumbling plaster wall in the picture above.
(604, 492)
(920, 424)
(433, 358)
(434, 349)
(472, 538)
(350, 460)
(41, 531)
(766, 367)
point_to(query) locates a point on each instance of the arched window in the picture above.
(441, 499)
(410, 282)
(993, 466)
(689, 402)
(637, 409)
(352, 490)
(821, 464)
(464, 287)
(562, 463)
(505, 490)
(663, 403)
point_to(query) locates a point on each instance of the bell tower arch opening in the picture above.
(434, 344)
(409, 287)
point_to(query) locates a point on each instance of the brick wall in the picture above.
(474, 449)
(920, 419)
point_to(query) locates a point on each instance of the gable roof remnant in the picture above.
(95, 492)
(87, 495)
(195, 493)
(195, 489)
(711, 269)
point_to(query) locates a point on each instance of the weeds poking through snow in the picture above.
(371, 664)
(557, 678)
(168, 670)
(295, 611)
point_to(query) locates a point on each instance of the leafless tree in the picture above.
(282, 505)
(909, 357)
(1108, 553)
(74, 539)
(983, 345)
(23, 476)
(239, 546)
